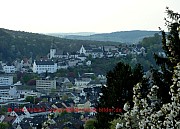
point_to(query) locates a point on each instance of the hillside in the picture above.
(123, 36)
(18, 44)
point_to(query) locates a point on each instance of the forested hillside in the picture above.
(122, 36)
(17, 44)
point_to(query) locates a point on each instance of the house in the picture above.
(82, 81)
(43, 66)
(62, 65)
(83, 107)
(82, 57)
(62, 80)
(73, 62)
(58, 54)
(88, 63)
(9, 68)
(97, 53)
(26, 63)
(18, 113)
(26, 93)
(110, 48)
(34, 122)
(10, 119)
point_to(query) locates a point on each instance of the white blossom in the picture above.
(118, 126)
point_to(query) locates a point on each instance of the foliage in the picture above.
(44, 100)
(160, 108)
(122, 36)
(3, 110)
(17, 44)
(119, 89)
(65, 97)
(32, 99)
(153, 46)
(171, 46)
(26, 78)
(4, 125)
(148, 113)
(89, 124)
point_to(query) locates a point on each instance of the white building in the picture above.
(52, 53)
(8, 93)
(9, 69)
(82, 50)
(82, 81)
(88, 63)
(58, 54)
(44, 66)
(45, 85)
(6, 80)
(110, 48)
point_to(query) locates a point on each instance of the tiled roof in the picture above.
(9, 119)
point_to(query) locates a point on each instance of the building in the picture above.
(110, 48)
(6, 80)
(52, 53)
(57, 54)
(82, 50)
(82, 81)
(9, 69)
(8, 93)
(44, 66)
(45, 85)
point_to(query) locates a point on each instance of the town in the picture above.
(50, 99)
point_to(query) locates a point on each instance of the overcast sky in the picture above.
(47, 16)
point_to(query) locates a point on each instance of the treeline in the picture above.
(147, 100)
(18, 44)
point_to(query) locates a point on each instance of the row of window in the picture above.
(45, 65)
(45, 69)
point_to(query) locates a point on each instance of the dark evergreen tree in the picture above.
(118, 90)
(171, 47)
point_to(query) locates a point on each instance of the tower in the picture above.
(52, 53)
(82, 50)
(52, 50)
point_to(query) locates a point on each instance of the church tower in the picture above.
(82, 50)
(52, 50)
(52, 53)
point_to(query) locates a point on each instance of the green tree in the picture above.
(3, 110)
(89, 124)
(171, 46)
(119, 89)
(65, 97)
(29, 99)
(44, 100)
(4, 125)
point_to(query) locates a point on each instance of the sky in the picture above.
(70, 16)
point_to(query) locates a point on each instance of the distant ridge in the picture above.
(133, 36)
(20, 44)
(62, 35)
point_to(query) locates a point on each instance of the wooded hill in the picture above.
(19, 44)
(122, 36)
